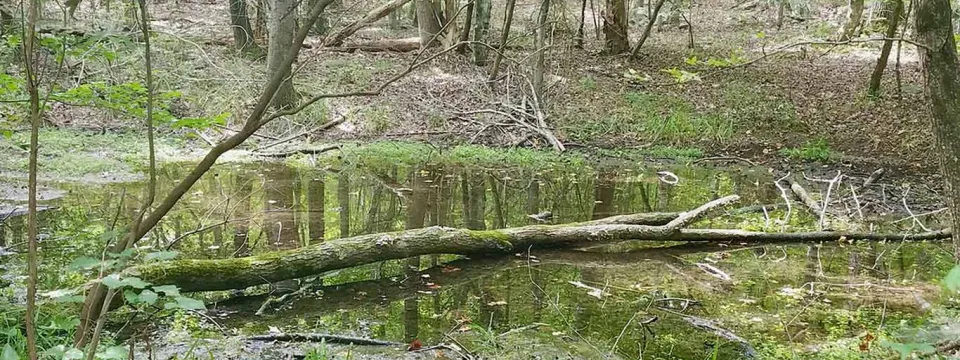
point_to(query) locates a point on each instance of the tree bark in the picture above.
(647, 29)
(893, 21)
(31, 67)
(504, 36)
(583, 19)
(451, 34)
(467, 25)
(615, 27)
(321, 26)
(372, 16)
(540, 42)
(854, 17)
(428, 22)
(283, 19)
(480, 32)
(242, 31)
(939, 59)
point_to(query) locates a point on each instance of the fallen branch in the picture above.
(307, 151)
(394, 45)
(328, 338)
(374, 15)
(805, 197)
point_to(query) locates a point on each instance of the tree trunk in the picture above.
(849, 28)
(322, 25)
(615, 27)
(31, 65)
(583, 19)
(372, 16)
(504, 36)
(939, 60)
(283, 18)
(343, 198)
(540, 42)
(315, 205)
(467, 25)
(451, 34)
(480, 32)
(428, 22)
(242, 31)
(647, 29)
(893, 20)
(214, 275)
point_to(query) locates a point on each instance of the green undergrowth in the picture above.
(72, 153)
(812, 150)
(385, 154)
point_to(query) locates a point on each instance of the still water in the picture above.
(655, 301)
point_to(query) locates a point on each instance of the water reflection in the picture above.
(241, 210)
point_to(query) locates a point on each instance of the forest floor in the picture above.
(800, 109)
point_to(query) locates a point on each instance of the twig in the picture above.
(826, 199)
(783, 194)
(329, 338)
(912, 216)
(690, 217)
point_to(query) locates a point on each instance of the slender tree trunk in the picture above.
(647, 29)
(315, 205)
(428, 22)
(481, 30)
(583, 20)
(321, 26)
(893, 20)
(467, 25)
(283, 19)
(507, 20)
(615, 27)
(939, 60)
(781, 6)
(451, 34)
(254, 121)
(343, 198)
(540, 43)
(242, 31)
(854, 17)
(30, 67)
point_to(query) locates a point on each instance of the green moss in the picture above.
(812, 150)
(482, 235)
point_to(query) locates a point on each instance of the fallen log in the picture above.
(328, 338)
(374, 15)
(385, 45)
(238, 273)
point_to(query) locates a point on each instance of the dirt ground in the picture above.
(788, 100)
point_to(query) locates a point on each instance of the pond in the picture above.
(636, 300)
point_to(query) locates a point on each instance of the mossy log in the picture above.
(238, 273)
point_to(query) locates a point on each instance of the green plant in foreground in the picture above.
(813, 150)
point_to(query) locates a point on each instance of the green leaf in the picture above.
(168, 290)
(134, 282)
(83, 263)
(186, 304)
(761, 35)
(131, 296)
(906, 349)
(56, 352)
(112, 281)
(73, 354)
(161, 256)
(9, 353)
(148, 297)
(115, 352)
(952, 280)
(63, 323)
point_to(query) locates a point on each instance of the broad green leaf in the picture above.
(188, 303)
(134, 282)
(952, 280)
(63, 323)
(112, 281)
(9, 353)
(73, 354)
(131, 296)
(160, 256)
(168, 290)
(148, 297)
(56, 352)
(83, 263)
(115, 352)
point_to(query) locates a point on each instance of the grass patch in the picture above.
(812, 150)
(70, 153)
(390, 153)
(757, 109)
(654, 117)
